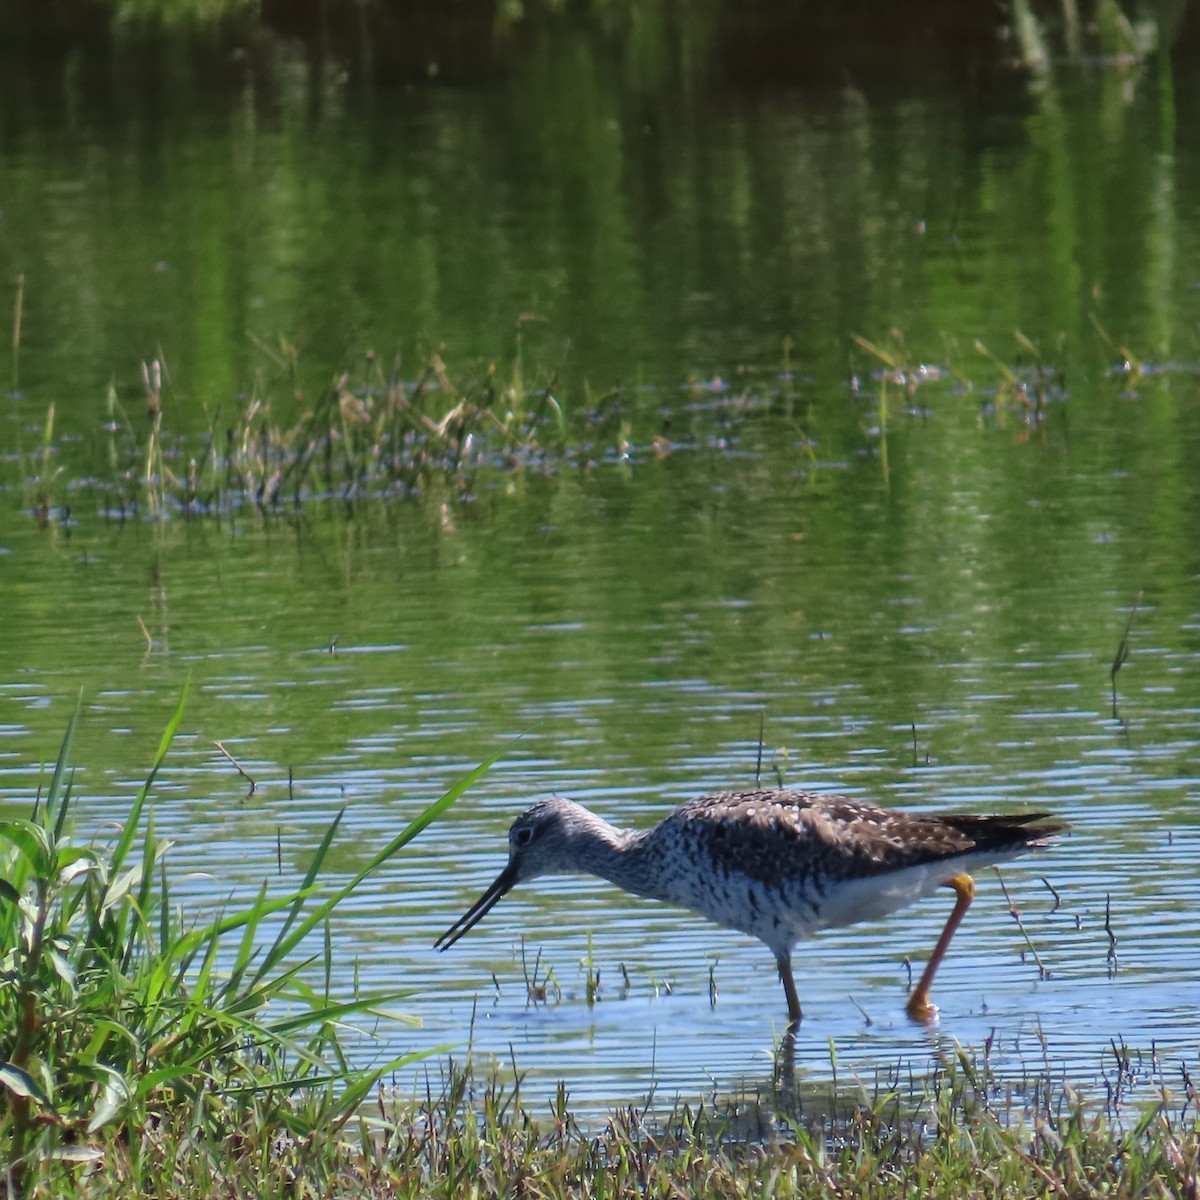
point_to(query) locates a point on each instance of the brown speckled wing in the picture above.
(774, 836)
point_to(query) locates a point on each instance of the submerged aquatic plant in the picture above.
(376, 432)
(117, 1016)
(381, 432)
(372, 432)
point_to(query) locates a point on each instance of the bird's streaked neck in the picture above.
(617, 855)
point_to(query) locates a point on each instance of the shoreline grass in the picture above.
(141, 1053)
(478, 1139)
(120, 1013)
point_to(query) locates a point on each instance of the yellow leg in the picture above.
(789, 988)
(920, 1007)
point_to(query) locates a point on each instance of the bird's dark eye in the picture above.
(523, 836)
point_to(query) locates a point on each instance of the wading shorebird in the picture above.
(776, 864)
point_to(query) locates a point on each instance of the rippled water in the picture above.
(627, 663)
(916, 596)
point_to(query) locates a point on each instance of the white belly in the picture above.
(782, 914)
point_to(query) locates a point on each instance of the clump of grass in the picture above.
(388, 431)
(1028, 387)
(123, 1028)
(372, 432)
(379, 430)
(957, 1137)
(591, 973)
(481, 1139)
(538, 991)
(1020, 393)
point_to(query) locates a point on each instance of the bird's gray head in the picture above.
(546, 839)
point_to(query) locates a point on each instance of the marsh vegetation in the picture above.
(659, 397)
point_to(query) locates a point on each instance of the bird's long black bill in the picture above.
(502, 885)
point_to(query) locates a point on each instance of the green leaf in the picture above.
(309, 879)
(106, 1031)
(73, 862)
(151, 1080)
(150, 851)
(246, 949)
(33, 842)
(22, 1084)
(62, 968)
(121, 888)
(77, 1154)
(191, 942)
(364, 1084)
(114, 1096)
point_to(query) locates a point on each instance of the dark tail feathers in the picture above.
(1008, 832)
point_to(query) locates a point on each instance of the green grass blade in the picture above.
(349, 1100)
(200, 991)
(406, 835)
(253, 999)
(187, 945)
(135, 813)
(57, 802)
(23, 1084)
(246, 948)
(363, 1005)
(164, 912)
(149, 859)
(418, 824)
(310, 876)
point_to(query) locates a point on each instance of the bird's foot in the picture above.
(921, 1008)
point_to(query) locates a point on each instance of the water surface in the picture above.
(915, 599)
